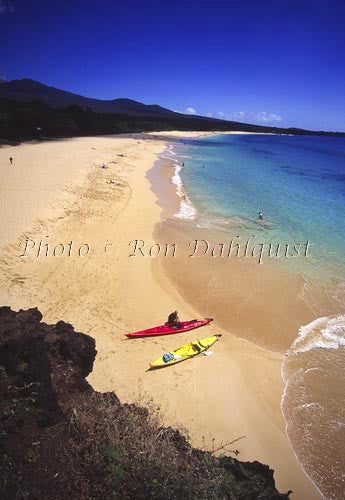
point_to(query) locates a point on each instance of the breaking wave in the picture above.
(322, 333)
(187, 209)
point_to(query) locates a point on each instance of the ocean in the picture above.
(298, 184)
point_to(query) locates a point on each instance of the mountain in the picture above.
(27, 106)
(29, 90)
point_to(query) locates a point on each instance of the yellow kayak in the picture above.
(184, 352)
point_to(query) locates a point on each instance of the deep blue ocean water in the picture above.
(297, 182)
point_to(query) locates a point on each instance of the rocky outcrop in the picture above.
(61, 439)
(44, 361)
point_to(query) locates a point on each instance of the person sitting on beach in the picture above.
(173, 320)
(261, 216)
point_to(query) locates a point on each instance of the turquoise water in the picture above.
(297, 182)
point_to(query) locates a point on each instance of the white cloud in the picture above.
(239, 115)
(187, 111)
(190, 111)
(261, 117)
(267, 117)
(5, 7)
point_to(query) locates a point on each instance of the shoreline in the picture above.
(90, 295)
(170, 208)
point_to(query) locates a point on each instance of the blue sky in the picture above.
(269, 62)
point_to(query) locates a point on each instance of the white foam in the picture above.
(322, 333)
(177, 180)
(312, 370)
(187, 210)
(309, 405)
(339, 424)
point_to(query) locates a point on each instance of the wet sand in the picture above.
(232, 393)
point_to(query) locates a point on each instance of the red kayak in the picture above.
(167, 329)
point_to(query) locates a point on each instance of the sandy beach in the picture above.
(71, 211)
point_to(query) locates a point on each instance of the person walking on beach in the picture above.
(11, 160)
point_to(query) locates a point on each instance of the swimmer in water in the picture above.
(261, 216)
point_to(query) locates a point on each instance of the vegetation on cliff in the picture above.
(61, 439)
